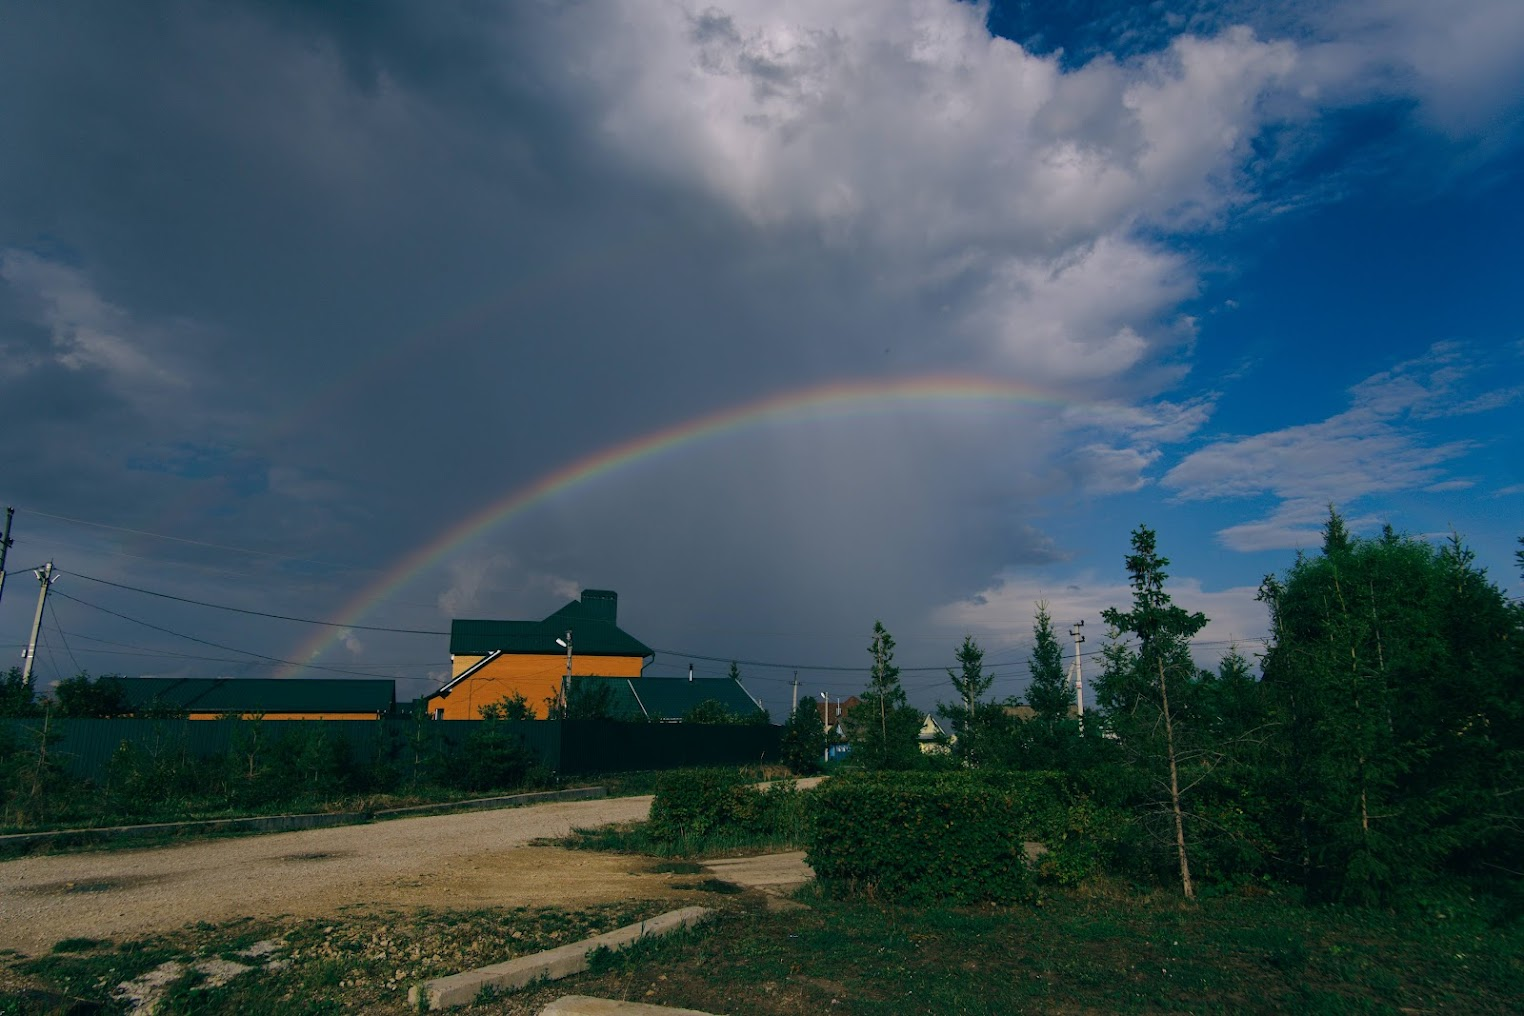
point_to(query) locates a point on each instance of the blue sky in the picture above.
(286, 292)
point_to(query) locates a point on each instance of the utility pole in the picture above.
(5, 544)
(1079, 677)
(47, 578)
(566, 681)
(826, 697)
(795, 707)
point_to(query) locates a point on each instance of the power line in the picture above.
(219, 645)
(44, 646)
(258, 613)
(200, 543)
(132, 649)
(828, 668)
(54, 615)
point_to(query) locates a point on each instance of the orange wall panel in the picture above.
(537, 678)
(288, 716)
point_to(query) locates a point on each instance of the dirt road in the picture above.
(474, 859)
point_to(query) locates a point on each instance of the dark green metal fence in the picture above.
(607, 746)
(573, 747)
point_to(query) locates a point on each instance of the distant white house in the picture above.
(933, 739)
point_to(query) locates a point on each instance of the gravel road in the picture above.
(474, 859)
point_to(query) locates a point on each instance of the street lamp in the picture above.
(566, 644)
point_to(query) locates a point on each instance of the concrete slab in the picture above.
(774, 873)
(551, 965)
(587, 1005)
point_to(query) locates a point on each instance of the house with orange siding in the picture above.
(491, 660)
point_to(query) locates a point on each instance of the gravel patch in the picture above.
(473, 859)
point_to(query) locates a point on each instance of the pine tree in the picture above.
(1135, 686)
(883, 727)
(970, 682)
(16, 697)
(804, 740)
(1048, 691)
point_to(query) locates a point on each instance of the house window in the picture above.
(439, 713)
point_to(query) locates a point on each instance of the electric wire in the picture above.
(258, 613)
(133, 649)
(680, 654)
(53, 613)
(43, 645)
(218, 645)
(200, 543)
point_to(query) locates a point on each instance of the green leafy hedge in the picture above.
(692, 804)
(957, 836)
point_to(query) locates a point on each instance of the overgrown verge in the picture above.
(1081, 951)
(297, 968)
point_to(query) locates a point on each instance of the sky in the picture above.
(778, 318)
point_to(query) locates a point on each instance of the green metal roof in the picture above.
(669, 698)
(260, 695)
(591, 620)
(672, 698)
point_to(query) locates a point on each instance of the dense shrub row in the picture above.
(693, 805)
(959, 835)
(915, 836)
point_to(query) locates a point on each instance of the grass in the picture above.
(636, 838)
(1101, 950)
(1125, 952)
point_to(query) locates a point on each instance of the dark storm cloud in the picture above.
(321, 281)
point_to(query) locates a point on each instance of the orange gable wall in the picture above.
(537, 678)
(288, 716)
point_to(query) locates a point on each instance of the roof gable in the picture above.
(590, 620)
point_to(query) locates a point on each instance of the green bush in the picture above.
(692, 804)
(491, 758)
(957, 836)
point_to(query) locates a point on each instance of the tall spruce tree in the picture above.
(1048, 691)
(1135, 683)
(965, 715)
(883, 726)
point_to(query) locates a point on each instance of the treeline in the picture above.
(266, 766)
(1381, 750)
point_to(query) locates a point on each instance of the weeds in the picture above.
(308, 967)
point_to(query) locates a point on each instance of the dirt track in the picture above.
(450, 861)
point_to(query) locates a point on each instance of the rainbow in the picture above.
(826, 400)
